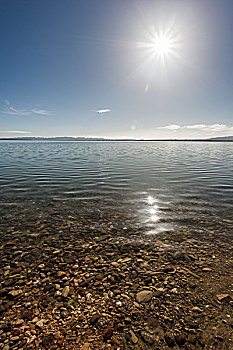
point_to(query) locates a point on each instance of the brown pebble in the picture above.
(180, 339)
(169, 340)
(108, 333)
(94, 319)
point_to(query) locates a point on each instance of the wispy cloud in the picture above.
(170, 127)
(42, 112)
(14, 132)
(7, 102)
(102, 111)
(10, 110)
(13, 111)
(199, 127)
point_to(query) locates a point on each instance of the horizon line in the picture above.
(104, 138)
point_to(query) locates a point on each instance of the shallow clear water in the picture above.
(160, 185)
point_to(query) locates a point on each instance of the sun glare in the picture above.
(161, 46)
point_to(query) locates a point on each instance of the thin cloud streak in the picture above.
(42, 112)
(13, 111)
(10, 110)
(170, 127)
(198, 127)
(14, 132)
(102, 111)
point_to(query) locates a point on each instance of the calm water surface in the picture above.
(158, 185)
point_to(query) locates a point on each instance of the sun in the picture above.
(161, 46)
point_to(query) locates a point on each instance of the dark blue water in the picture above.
(160, 185)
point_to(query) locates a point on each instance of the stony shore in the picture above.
(79, 285)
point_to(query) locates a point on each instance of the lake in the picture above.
(149, 186)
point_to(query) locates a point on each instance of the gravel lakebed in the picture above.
(104, 284)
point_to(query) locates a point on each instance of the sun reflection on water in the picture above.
(153, 215)
(154, 209)
(150, 200)
(155, 218)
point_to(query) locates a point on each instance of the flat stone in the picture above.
(65, 291)
(115, 264)
(144, 296)
(19, 322)
(147, 337)
(41, 266)
(220, 297)
(15, 293)
(206, 269)
(14, 339)
(61, 274)
(40, 323)
(134, 338)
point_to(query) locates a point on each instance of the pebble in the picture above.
(15, 339)
(91, 294)
(94, 319)
(107, 334)
(19, 322)
(221, 297)
(40, 324)
(169, 339)
(134, 338)
(6, 347)
(61, 274)
(144, 296)
(15, 293)
(147, 337)
(180, 339)
(119, 303)
(65, 291)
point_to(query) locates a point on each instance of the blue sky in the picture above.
(90, 68)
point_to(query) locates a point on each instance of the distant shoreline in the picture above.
(114, 140)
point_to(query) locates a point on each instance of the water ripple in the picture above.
(186, 181)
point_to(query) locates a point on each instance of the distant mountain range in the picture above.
(225, 138)
(67, 138)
